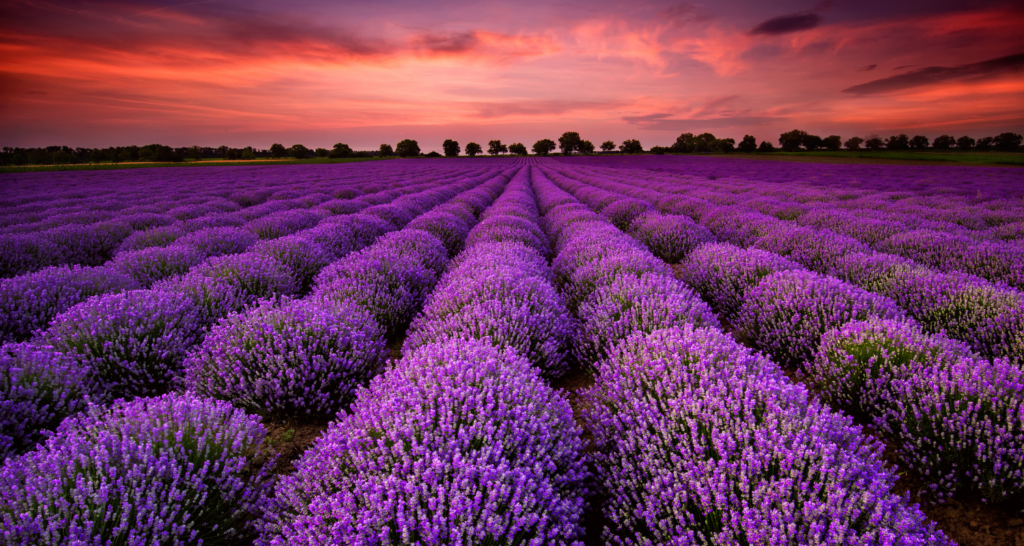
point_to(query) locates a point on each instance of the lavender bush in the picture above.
(293, 358)
(701, 442)
(787, 312)
(177, 469)
(954, 418)
(459, 443)
(38, 389)
(670, 238)
(134, 341)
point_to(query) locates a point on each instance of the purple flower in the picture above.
(299, 357)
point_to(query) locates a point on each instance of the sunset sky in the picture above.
(317, 72)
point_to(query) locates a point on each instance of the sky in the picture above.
(252, 73)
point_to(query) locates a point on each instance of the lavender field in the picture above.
(534, 351)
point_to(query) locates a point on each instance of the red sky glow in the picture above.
(101, 73)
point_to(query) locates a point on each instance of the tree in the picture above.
(195, 152)
(407, 148)
(813, 142)
(874, 144)
(298, 151)
(472, 149)
(495, 147)
(748, 144)
(585, 147)
(660, 150)
(965, 143)
(607, 146)
(854, 143)
(518, 148)
(683, 143)
(919, 142)
(569, 142)
(943, 142)
(766, 147)
(832, 142)
(1008, 142)
(451, 148)
(631, 146)
(985, 144)
(323, 152)
(340, 151)
(705, 142)
(726, 145)
(433, 154)
(247, 153)
(278, 151)
(897, 142)
(386, 151)
(792, 140)
(544, 146)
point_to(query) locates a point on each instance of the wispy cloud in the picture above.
(934, 75)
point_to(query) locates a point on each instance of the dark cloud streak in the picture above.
(1011, 64)
(786, 24)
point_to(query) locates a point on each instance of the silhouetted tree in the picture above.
(813, 142)
(705, 142)
(748, 144)
(544, 146)
(943, 142)
(766, 146)
(298, 151)
(854, 143)
(919, 142)
(726, 145)
(451, 148)
(1008, 142)
(518, 148)
(322, 152)
(341, 151)
(832, 142)
(495, 147)
(660, 150)
(607, 146)
(407, 148)
(386, 150)
(569, 142)
(792, 140)
(585, 147)
(278, 151)
(472, 149)
(631, 146)
(965, 143)
(433, 154)
(984, 144)
(196, 153)
(897, 142)
(247, 153)
(684, 143)
(874, 144)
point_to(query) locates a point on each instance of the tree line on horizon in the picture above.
(569, 143)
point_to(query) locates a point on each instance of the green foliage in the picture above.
(944, 142)
(607, 146)
(854, 143)
(832, 142)
(407, 148)
(386, 150)
(792, 140)
(451, 148)
(569, 142)
(473, 149)
(748, 144)
(544, 146)
(341, 150)
(629, 147)
(495, 147)
(518, 148)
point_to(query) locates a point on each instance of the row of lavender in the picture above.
(89, 223)
(988, 316)
(281, 357)
(301, 239)
(461, 441)
(957, 418)
(699, 440)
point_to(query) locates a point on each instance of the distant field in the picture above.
(189, 163)
(1015, 159)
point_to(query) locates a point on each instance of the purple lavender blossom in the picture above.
(459, 443)
(153, 264)
(293, 358)
(699, 441)
(670, 238)
(38, 389)
(177, 469)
